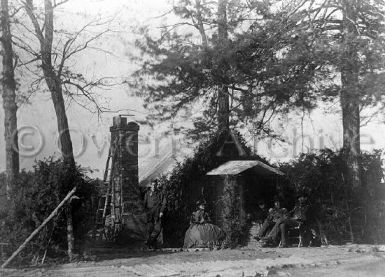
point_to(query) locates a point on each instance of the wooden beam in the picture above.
(37, 230)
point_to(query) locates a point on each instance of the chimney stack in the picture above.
(126, 197)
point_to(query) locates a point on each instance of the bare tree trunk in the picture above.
(54, 84)
(70, 233)
(200, 23)
(350, 97)
(55, 88)
(52, 78)
(9, 102)
(223, 93)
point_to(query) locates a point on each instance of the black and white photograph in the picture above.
(214, 138)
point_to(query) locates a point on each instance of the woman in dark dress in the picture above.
(201, 232)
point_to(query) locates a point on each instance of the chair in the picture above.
(295, 233)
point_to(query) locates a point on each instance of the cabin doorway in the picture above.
(256, 188)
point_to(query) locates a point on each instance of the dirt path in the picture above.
(240, 262)
(353, 269)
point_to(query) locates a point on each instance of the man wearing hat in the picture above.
(261, 212)
(154, 204)
(298, 218)
(275, 214)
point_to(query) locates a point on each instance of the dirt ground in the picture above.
(348, 260)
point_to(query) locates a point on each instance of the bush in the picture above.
(345, 213)
(36, 195)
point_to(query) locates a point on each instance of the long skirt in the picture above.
(203, 235)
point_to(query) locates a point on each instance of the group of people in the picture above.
(202, 233)
(277, 219)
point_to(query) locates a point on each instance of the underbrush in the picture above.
(347, 214)
(36, 194)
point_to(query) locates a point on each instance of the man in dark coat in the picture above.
(154, 204)
(298, 218)
(274, 215)
(261, 212)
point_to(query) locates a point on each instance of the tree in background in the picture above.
(51, 59)
(245, 63)
(9, 100)
(180, 76)
(51, 76)
(349, 36)
(223, 91)
(51, 54)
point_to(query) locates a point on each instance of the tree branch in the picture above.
(29, 8)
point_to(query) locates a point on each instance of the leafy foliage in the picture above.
(38, 193)
(345, 213)
(276, 59)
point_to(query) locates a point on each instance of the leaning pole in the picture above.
(37, 230)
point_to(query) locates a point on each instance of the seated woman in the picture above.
(201, 233)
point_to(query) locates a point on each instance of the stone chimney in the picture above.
(127, 203)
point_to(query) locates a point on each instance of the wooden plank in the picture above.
(37, 230)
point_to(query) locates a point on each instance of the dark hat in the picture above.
(200, 202)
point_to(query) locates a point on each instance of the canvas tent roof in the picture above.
(156, 168)
(236, 167)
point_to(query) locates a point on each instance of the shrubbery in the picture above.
(346, 214)
(36, 195)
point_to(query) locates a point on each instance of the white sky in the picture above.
(90, 135)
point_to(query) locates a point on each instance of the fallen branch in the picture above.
(37, 230)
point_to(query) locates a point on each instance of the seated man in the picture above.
(298, 219)
(275, 214)
(261, 212)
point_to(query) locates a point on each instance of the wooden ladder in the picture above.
(104, 201)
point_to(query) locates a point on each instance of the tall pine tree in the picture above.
(227, 58)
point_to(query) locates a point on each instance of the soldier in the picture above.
(261, 212)
(297, 219)
(154, 204)
(274, 215)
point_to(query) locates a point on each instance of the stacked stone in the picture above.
(126, 198)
